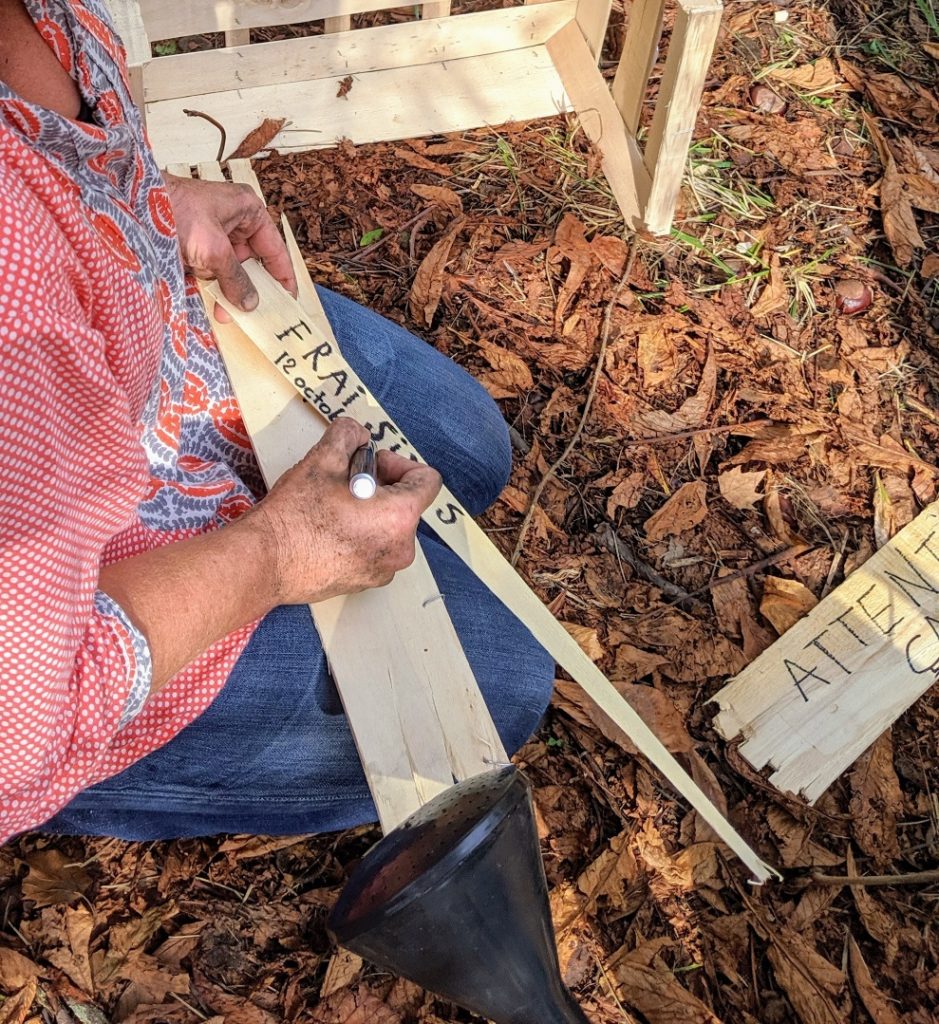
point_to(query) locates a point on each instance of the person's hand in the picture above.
(220, 224)
(324, 542)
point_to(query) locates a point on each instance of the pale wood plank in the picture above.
(413, 705)
(621, 161)
(396, 104)
(342, 23)
(592, 17)
(437, 9)
(353, 53)
(416, 614)
(818, 697)
(271, 326)
(238, 37)
(637, 59)
(128, 20)
(689, 53)
(167, 20)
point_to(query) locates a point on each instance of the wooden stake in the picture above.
(288, 336)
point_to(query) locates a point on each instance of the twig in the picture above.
(681, 434)
(609, 539)
(591, 394)
(354, 257)
(720, 581)
(912, 878)
(211, 120)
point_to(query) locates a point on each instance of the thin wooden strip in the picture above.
(356, 52)
(689, 54)
(399, 103)
(168, 20)
(313, 365)
(592, 17)
(637, 59)
(621, 160)
(417, 615)
(437, 9)
(238, 37)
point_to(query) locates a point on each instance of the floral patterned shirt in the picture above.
(119, 431)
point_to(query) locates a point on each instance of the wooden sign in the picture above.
(815, 700)
(311, 362)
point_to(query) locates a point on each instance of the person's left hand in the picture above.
(219, 225)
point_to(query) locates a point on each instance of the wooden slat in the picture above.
(352, 53)
(167, 19)
(393, 651)
(436, 9)
(271, 327)
(417, 617)
(129, 23)
(637, 59)
(621, 160)
(689, 53)
(397, 104)
(816, 699)
(238, 37)
(592, 17)
(340, 24)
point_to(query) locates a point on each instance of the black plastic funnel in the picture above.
(455, 899)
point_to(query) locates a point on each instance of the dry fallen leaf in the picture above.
(54, 879)
(441, 196)
(684, 510)
(785, 602)
(692, 412)
(258, 139)
(657, 994)
(740, 488)
(657, 356)
(345, 87)
(15, 970)
(875, 1002)
(587, 639)
(775, 296)
(810, 982)
(814, 79)
(15, 1010)
(427, 286)
(626, 493)
(876, 801)
(344, 968)
(510, 373)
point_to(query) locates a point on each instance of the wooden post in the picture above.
(592, 17)
(637, 59)
(696, 26)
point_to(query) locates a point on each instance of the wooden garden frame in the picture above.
(441, 73)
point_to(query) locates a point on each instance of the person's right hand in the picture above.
(324, 541)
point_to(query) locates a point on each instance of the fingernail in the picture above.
(250, 302)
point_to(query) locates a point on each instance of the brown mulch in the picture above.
(738, 414)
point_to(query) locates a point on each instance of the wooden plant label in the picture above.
(815, 700)
(312, 363)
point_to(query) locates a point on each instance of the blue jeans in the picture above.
(273, 754)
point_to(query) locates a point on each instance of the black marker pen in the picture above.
(362, 480)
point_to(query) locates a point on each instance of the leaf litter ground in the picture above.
(750, 442)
